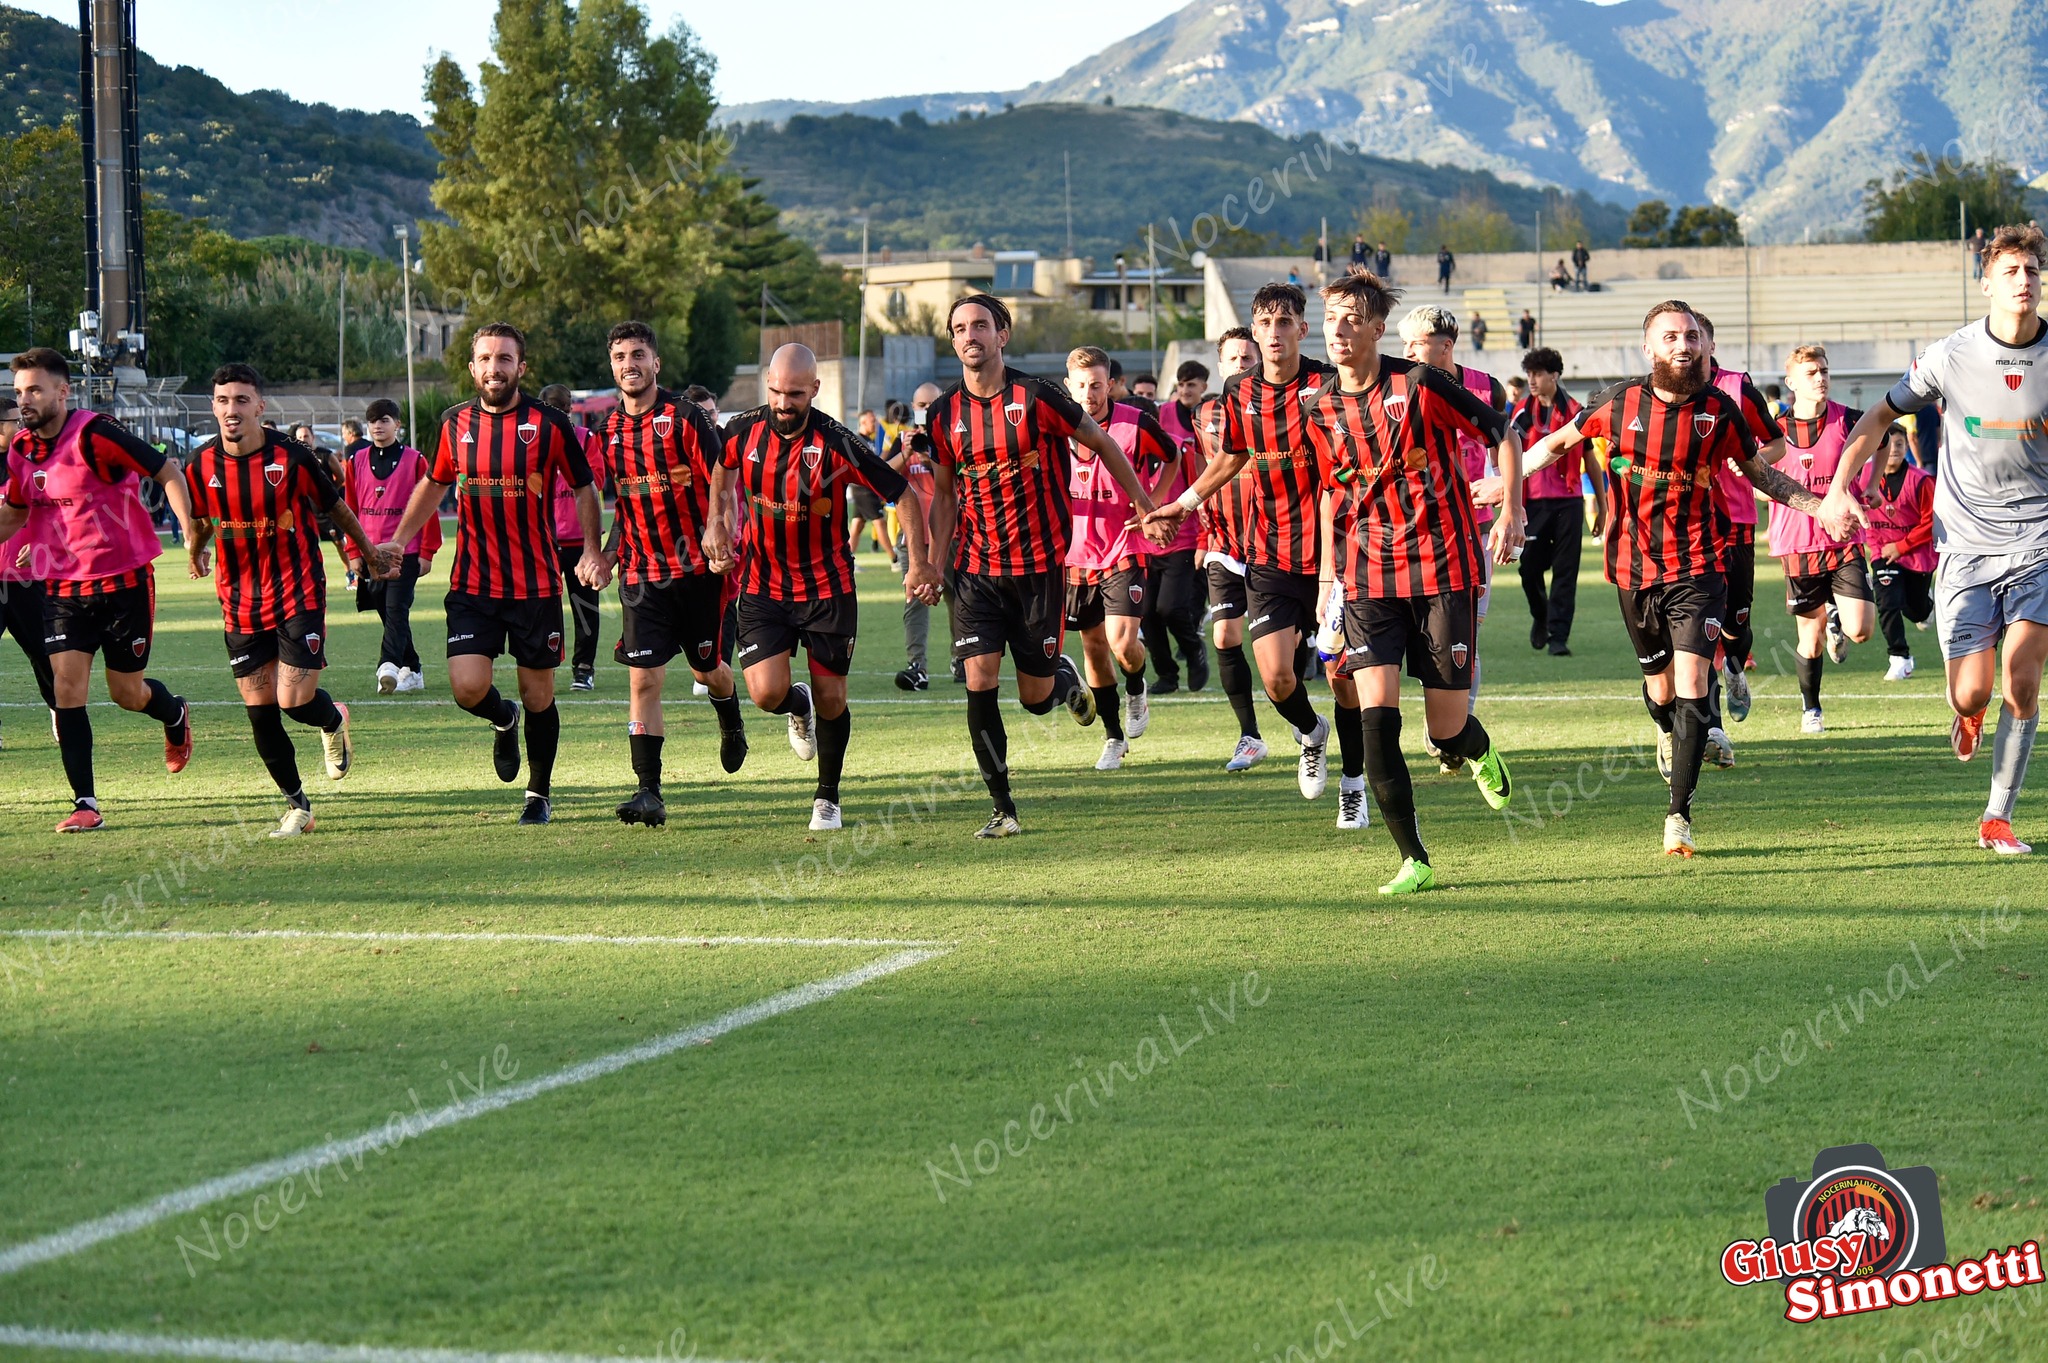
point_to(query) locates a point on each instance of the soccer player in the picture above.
(1173, 596)
(1827, 586)
(1901, 543)
(1429, 335)
(1555, 507)
(1265, 427)
(378, 479)
(791, 462)
(583, 599)
(257, 495)
(909, 452)
(1387, 436)
(1000, 515)
(74, 517)
(1990, 511)
(1107, 572)
(663, 452)
(499, 451)
(1670, 431)
(1221, 549)
(21, 590)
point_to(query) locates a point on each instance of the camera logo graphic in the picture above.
(1897, 1211)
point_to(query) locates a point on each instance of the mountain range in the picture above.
(1779, 109)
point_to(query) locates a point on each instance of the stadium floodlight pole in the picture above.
(403, 232)
(860, 378)
(1152, 292)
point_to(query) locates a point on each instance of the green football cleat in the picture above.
(1415, 877)
(1490, 774)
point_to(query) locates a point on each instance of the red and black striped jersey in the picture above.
(793, 501)
(502, 465)
(1535, 419)
(660, 463)
(1269, 422)
(1225, 513)
(1668, 522)
(267, 561)
(1008, 455)
(1392, 453)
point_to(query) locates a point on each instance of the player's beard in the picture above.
(786, 423)
(1683, 381)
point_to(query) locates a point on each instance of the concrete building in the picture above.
(916, 293)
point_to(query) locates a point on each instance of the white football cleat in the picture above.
(1900, 669)
(1310, 773)
(803, 728)
(1113, 750)
(824, 816)
(1720, 752)
(1811, 722)
(1352, 813)
(295, 822)
(1250, 752)
(1137, 715)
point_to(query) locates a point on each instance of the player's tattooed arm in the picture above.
(1779, 487)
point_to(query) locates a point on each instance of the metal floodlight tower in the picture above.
(110, 330)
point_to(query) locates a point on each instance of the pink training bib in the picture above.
(1894, 518)
(383, 500)
(1737, 493)
(1183, 438)
(82, 527)
(1480, 384)
(1100, 507)
(1795, 532)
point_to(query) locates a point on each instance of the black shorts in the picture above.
(1276, 601)
(1121, 592)
(1025, 614)
(1226, 592)
(1434, 635)
(118, 625)
(299, 642)
(1675, 617)
(1810, 592)
(530, 628)
(862, 503)
(661, 619)
(824, 627)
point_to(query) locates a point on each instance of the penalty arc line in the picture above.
(62, 1244)
(274, 1350)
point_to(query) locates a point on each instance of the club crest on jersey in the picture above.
(1396, 407)
(273, 474)
(1014, 411)
(1052, 646)
(1703, 423)
(41, 479)
(663, 424)
(2013, 381)
(1459, 652)
(813, 452)
(313, 644)
(528, 432)
(1713, 629)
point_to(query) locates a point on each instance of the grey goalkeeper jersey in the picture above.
(1991, 492)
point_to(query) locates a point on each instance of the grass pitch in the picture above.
(1180, 1085)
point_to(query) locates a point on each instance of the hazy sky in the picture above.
(371, 54)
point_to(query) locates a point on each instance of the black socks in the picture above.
(991, 745)
(494, 709)
(1106, 708)
(646, 751)
(1689, 747)
(1471, 742)
(1297, 711)
(1809, 670)
(1351, 740)
(319, 712)
(727, 708)
(1236, 676)
(543, 738)
(1386, 771)
(74, 742)
(166, 709)
(832, 737)
(274, 746)
(793, 702)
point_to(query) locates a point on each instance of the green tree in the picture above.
(1705, 225)
(1385, 222)
(1648, 224)
(716, 344)
(759, 255)
(582, 184)
(1564, 226)
(1922, 201)
(42, 234)
(1473, 224)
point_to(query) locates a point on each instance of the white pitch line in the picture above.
(551, 938)
(276, 1350)
(62, 1244)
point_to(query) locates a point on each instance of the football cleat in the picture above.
(1965, 734)
(1001, 824)
(294, 822)
(912, 679)
(645, 807)
(1812, 722)
(824, 816)
(1838, 642)
(1352, 814)
(1137, 715)
(1737, 683)
(1900, 669)
(1415, 877)
(1995, 835)
(1664, 758)
(732, 747)
(1490, 774)
(1113, 752)
(338, 748)
(1080, 703)
(537, 811)
(84, 819)
(1720, 752)
(1310, 774)
(803, 726)
(505, 746)
(1250, 752)
(1678, 836)
(176, 755)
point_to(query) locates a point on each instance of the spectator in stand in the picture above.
(1977, 254)
(1294, 276)
(1560, 276)
(1476, 329)
(1383, 264)
(1358, 254)
(1582, 261)
(1446, 266)
(1525, 330)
